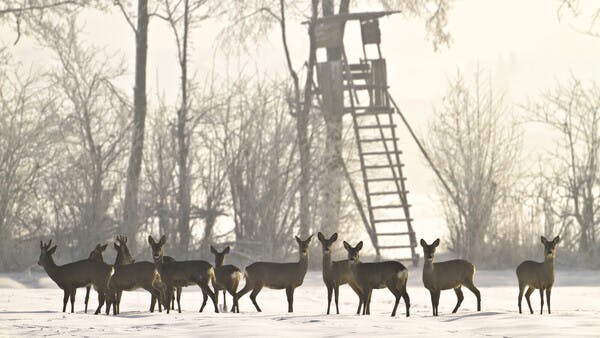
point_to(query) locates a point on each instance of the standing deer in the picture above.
(369, 276)
(277, 276)
(182, 273)
(130, 275)
(336, 273)
(95, 255)
(447, 275)
(74, 275)
(538, 275)
(227, 278)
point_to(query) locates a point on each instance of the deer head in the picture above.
(219, 256)
(429, 250)
(96, 254)
(123, 254)
(327, 243)
(46, 253)
(303, 245)
(550, 246)
(157, 247)
(353, 252)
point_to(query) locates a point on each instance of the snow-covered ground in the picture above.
(30, 306)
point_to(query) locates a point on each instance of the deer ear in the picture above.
(151, 240)
(334, 237)
(226, 251)
(41, 245)
(423, 243)
(347, 246)
(163, 239)
(298, 239)
(51, 251)
(213, 250)
(116, 246)
(359, 245)
(436, 242)
(309, 239)
(544, 240)
(556, 239)
(103, 247)
(321, 237)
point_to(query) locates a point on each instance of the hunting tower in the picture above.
(360, 88)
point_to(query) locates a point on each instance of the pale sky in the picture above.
(520, 43)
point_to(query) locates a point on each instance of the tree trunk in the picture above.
(182, 161)
(130, 208)
(332, 177)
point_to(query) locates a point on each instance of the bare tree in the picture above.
(131, 220)
(29, 129)
(476, 148)
(587, 14)
(88, 175)
(573, 112)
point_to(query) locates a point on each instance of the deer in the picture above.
(446, 275)
(182, 273)
(74, 275)
(95, 255)
(537, 275)
(277, 276)
(369, 276)
(227, 278)
(130, 275)
(336, 273)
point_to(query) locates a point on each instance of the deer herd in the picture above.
(165, 277)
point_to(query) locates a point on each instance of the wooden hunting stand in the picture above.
(361, 89)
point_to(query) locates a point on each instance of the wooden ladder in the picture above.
(381, 166)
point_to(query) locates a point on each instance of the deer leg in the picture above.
(521, 289)
(204, 299)
(231, 291)
(548, 291)
(367, 301)
(459, 296)
(213, 296)
(87, 296)
(253, 295)
(432, 294)
(173, 298)
(469, 285)
(289, 291)
(178, 299)
(65, 299)
(337, 296)
(527, 294)
(152, 303)
(101, 298)
(397, 294)
(542, 301)
(72, 296)
(406, 302)
(117, 302)
(329, 292)
(224, 300)
(359, 294)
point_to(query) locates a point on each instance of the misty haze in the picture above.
(276, 167)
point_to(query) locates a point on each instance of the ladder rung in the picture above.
(390, 220)
(391, 206)
(395, 247)
(357, 76)
(364, 87)
(386, 193)
(375, 126)
(359, 66)
(387, 179)
(382, 166)
(379, 139)
(394, 233)
(383, 193)
(370, 109)
(382, 153)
